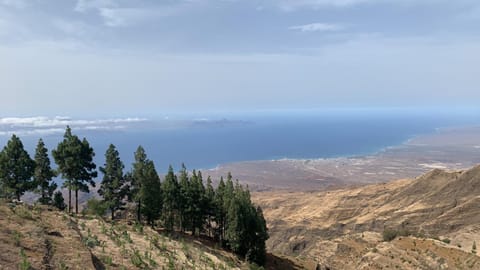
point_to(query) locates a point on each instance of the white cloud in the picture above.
(290, 5)
(41, 125)
(115, 17)
(317, 27)
(85, 5)
(14, 3)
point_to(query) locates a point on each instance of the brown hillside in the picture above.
(343, 228)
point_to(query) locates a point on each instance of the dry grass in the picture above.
(55, 240)
(342, 225)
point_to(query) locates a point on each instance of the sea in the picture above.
(207, 140)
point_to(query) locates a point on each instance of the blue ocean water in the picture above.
(205, 141)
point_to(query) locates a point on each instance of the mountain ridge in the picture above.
(437, 205)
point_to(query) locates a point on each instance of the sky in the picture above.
(129, 58)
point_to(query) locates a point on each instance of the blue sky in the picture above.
(74, 57)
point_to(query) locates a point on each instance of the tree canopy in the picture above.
(43, 174)
(181, 202)
(74, 158)
(113, 186)
(16, 169)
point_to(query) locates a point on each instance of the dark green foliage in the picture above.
(191, 206)
(113, 187)
(220, 212)
(257, 249)
(171, 196)
(151, 194)
(209, 205)
(246, 231)
(390, 234)
(58, 201)
(198, 202)
(75, 162)
(145, 187)
(181, 202)
(43, 174)
(16, 169)
(184, 202)
(136, 178)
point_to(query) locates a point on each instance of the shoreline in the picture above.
(404, 143)
(452, 148)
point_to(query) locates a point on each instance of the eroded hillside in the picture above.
(342, 229)
(46, 239)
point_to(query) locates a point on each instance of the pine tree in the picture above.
(75, 161)
(209, 205)
(238, 220)
(43, 174)
(198, 202)
(228, 196)
(58, 201)
(151, 194)
(220, 213)
(137, 175)
(184, 202)
(257, 248)
(16, 169)
(112, 188)
(170, 190)
(87, 172)
(246, 232)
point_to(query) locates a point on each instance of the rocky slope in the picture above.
(41, 238)
(342, 229)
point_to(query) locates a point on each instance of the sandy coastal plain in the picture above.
(447, 148)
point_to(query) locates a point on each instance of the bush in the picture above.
(17, 236)
(95, 207)
(91, 241)
(254, 266)
(23, 212)
(389, 235)
(446, 240)
(136, 259)
(58, 201)
(24, 263)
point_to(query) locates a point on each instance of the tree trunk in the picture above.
(113, 213)
(69, 200)
(138, 211)
(76, 201)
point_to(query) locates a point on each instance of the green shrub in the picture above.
(107, 260)
(446, 240)
(95, 207)
(24, 264)
(138, 228)
(91, 241)
(389, 235)
(137, 261)
(254, 266)
(62, 265)
(16, 238)
(58, 201)
(23, 212)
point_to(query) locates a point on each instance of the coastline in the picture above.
(452, 148)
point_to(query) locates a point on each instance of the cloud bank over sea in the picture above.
(41, 125)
